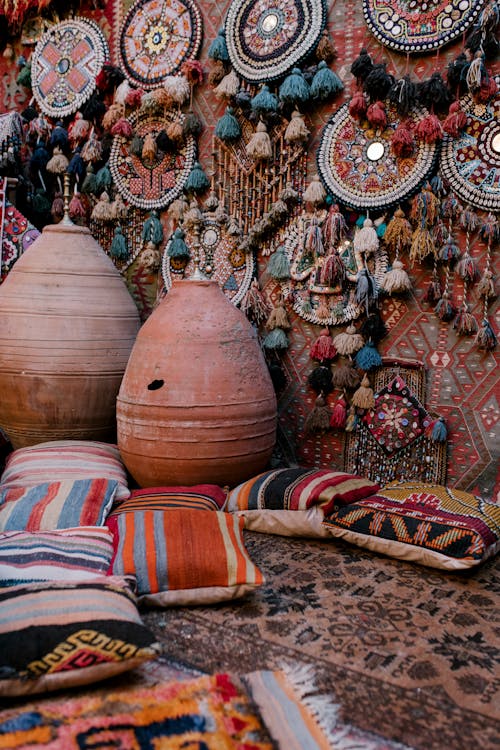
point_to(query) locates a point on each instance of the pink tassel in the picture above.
(455, 121)
(358, 106)
(332, 271)
(338, 416)
(122, 127)
(403, 140)
(376, 115)
(334, 227)
(323, 349)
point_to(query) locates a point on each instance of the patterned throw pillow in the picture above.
(265, 501)
(62, 460)
(58, 635)
(197, 497)
(63, 555)
(56, 505)
(183, 556)
(424, 523)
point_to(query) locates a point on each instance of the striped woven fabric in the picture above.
(57, 505)
(63, 555)
(197, 497)
(58, 460)
(183, 556)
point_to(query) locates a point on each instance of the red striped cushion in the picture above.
(183, 556)
(197, 497)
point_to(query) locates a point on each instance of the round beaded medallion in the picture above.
(65, 64)
(157, 183)
(358, 168)
(471, 162)
(266, 39)
(415, 26)
(157, 37)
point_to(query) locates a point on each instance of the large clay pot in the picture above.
(196, 402)
(68, 324)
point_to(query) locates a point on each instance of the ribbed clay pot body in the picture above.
(196, 402)
(68, 324)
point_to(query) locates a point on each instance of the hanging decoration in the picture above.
(416, 26)
(266, 40)
(65, 64)
(157, 38)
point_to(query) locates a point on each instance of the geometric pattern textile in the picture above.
(196, 497)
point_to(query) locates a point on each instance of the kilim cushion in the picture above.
(197, 497)
(56, 505)
(424, 523)
(266, 501)
(58, 635)
(63, 555)
(58, 460)
(183, 556)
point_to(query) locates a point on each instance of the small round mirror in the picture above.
(495, 143)
(375, 151)
(209, 237)
(269, 23)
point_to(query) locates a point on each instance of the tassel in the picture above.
(41, 204)
(152, 231)
(376, 115)
(450, 250)
(323, 350)
(102, 210)
(57, 208)
(476, 72)
(276, 340)
(278, 266)
(118, 248)
(345, 376)
(163, 143)
(109, 77)
(422, 245)
(366, 288)
(294, 90)
(253, 303)
(338, 416)
(358, 106)
(455, 121)
(177, 247)
(24, 76)
(352, 420)
(319, 418)
(278, 319)
(59, 137)
(323, 309)
(228, 128)
(403, 95)
(436, 430)
(218, 47)
(373, 328)
(29, 113)
(175, 133)
(434, 290)
(150, 258)
(362, 66)
(488, 90)
(76, 166)
(485, 337)
(465, 323)
(429, 129)
(378, 82)
(193, 216)
(313, 241)
(177, 209)
(425, 206)
(396, 281)
(325, 83)
(334, 226)
(278, 213)
(153, 101)
(120, 210)
(93, 109)
(92, 150)
(76, 207)
(149, 149)
(134, 98)
(39, 158)
(332, 272)
(349, 341)
(363, 397)
(217, 73)
(456, 72)
(366, 239)
(398, 233)
(259, 146)
(197, 181)
(192, 125)
(228, 87)
(467, 268)
(325, 49)
(121, 93)
(264, 101)
(113, 113)
(469, 219)
(177, 88)
(315, 193)
(320, 380)
(103, 179)
(402, 140)
(445, 309)
(193, 72)
(58, 163)
(368, 357)
(122, 127)
(434, 94)
(486, 287)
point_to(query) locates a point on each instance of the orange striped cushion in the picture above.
(183, 556)
(196, 497)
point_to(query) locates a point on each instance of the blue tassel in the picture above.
(276, 339)
(152, 230)
(366, 288)
(368, 357)
(380, 229)
(228, 128)
(59, 136)
(218, 47)
(118, 248)
(295, 90)
(264, 101)
(279, 265)
(177, 247)
(39, 158)
(325, 84)
(76, 165)
(103, 180)
(439, 432)
(197, 181)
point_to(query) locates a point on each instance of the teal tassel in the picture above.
(24, 76)
(197, 181)
(118, 248)
(368, 357)
(295, 90)
(228, 128)
(177, 247)
(90, 183)
(279, 265)
(276, 339)
(152, 230)
(41, 203)
(325, 84)
(218, 47)
(103, 180)
(439, 433)
(264, 101)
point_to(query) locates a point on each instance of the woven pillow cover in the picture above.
(294, 501)
(429, 524)
(62, 460)
(196, 497)
(57, 505)
(63, 555)
(183, 556)
(59, 635)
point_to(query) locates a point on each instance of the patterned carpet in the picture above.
(409, 653)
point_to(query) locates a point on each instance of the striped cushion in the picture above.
(265, 501)
(183, 556)
(56, 505)
(57, 635)
(197, 497)
(63, 555)
(58, 460)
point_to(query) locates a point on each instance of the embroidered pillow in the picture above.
(59, 635)
(197, 497)
(62, 460)
(63, 555)
(424, 523)
(56, 505)
(265, 501)
(183, 556)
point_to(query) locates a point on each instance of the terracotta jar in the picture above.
(68, 324)
(196, 402)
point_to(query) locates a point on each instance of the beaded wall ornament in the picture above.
(65, 64)
(416, 26)
(157, 38)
